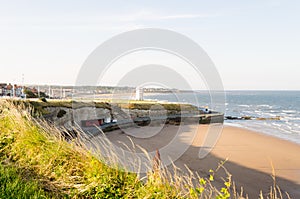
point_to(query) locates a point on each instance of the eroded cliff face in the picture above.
(68, 117)
(109, 117)
(71, 117)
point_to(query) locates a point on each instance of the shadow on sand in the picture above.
(252, 181)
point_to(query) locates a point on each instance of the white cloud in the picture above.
(99, 22)
(189, 16)
(150, 16)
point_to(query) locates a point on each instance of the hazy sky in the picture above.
(254, 44)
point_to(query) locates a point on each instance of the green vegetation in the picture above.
(37, 107)
(30, 94)
(36, 162)
(14, 184)
(145, 105)
(61, 113)
(61, 169)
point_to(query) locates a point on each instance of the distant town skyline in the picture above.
(255, 45)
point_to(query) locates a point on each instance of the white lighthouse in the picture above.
(139, 93)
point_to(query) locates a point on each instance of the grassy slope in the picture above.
(60, 169)
(13, 184)
(37, 163)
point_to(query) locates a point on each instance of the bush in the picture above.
(43, 99)
(61, 113)
(30, 94)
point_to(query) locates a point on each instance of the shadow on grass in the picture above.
(23, 183)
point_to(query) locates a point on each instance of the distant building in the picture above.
(139, 93)
(18, 91)
(2, 89)
(11, 90)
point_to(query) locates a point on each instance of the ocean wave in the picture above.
(280, 129)
(289, 111)
(275, 111)
(264, 105)
(290, 118)
(276, 124)
(244, 105)
(272, 115)
(233, 124)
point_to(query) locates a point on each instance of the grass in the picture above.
(13, 184)
(37, 162)
(64, 169)
(38, 106)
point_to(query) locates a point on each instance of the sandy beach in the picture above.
(250, 157)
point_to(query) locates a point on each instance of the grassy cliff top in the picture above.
(39, 105)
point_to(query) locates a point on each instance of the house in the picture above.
(11, 90)
(2, 89)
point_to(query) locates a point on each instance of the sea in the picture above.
(275, 113)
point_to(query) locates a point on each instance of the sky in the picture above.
(254, 45)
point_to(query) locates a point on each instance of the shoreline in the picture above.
(277, 133)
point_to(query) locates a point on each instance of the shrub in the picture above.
(61, 113)
(43, 99)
